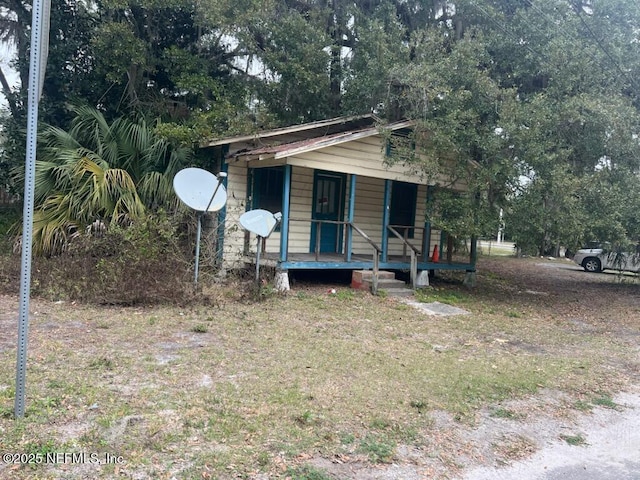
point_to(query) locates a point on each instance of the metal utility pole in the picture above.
(38, 60)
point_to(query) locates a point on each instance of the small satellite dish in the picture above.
(260, 222)
(200, 190)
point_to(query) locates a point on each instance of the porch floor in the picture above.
(327, 261)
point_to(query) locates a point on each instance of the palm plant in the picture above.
(98, 171)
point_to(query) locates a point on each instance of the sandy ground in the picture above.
(535, 447)
(611, 452)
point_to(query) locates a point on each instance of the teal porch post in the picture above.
(350, 214)
(284, 227)
(426, 240)
(386, 206)
(222, 214)
(470, 278)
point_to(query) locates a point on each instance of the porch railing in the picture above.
(414, 251)
(348, 234)
(376, 257)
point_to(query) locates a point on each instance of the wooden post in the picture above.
(386, 206)
(414, 268)
(374, 278)
(284, 226)
(318, 235)
(350, 215)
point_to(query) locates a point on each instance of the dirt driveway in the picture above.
(607, 439)
(611, 449)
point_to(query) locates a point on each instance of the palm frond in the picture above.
(156, 189)
(100, 170)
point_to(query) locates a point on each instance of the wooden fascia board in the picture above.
(360, 171)
(253, 158)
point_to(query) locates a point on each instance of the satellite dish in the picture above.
(260, 222)
(200, 190)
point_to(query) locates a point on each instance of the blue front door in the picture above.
(328, 204)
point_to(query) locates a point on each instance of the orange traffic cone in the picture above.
(435, 256)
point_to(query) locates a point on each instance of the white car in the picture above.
(597, 258)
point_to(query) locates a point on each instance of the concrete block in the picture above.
(422, 280)
(281, 281)
(470, 280)
(359, 278)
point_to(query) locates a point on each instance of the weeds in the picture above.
(419, 405)
(575, 440)
(121, 267)
(449, 297)
(605, 401)
(307, 473)
(378, 451)
(501, 412)
(102, 363)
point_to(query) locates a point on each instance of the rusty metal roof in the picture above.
(329, 124)
(316, 143)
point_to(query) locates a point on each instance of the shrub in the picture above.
(142, 263)
(9, 216)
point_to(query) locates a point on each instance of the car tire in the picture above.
(592, 265)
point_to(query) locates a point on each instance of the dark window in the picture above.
(267, 188)
(402, 210)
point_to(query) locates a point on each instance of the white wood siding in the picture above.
(233, 245)
(368, 217)
(362, 157)
(300, 207)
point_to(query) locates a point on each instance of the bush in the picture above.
(9, 217)
(140, 264)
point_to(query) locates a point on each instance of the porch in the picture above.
(335, 261)
(413, 259)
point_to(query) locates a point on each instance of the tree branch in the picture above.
(8, 94)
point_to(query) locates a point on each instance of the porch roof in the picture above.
(330, 124)
(276, 152)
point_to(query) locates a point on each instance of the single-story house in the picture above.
(343, 204)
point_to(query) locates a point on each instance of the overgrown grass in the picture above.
(244, 388)
(142, 264)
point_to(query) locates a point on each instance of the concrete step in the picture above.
(393, 287)
(359, 277)
(388, 283)
(362, 279)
